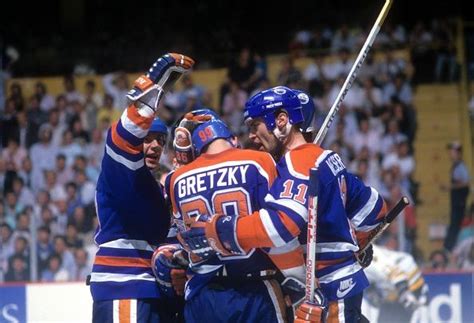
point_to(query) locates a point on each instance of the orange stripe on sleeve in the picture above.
(333, 315)
(122, 261)
(136, 118)
(383, 211)
(288, 260)
(251, 233)
(124, 311)
(122, 143)
(290, 225)
(269, 166)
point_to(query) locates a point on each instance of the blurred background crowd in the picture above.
(52, 145)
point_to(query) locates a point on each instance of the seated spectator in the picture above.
(70, 92)
(11, 208)
(366, 137)
(233, 106)
(81, 269)
(45, 247)
(55, 272)
(72, 239)
(25, 196)
(289, 75)
(438, 261)
(20, 249)
(392, 138)
(43, 153)
(67, 258)
(85, 187)
(95, 149)
(398, 90)
(343, 38)
(64, 173)
(401, 162)
(46, 100)
(189, 90)
(92, 102)
(116, 88)
(6, 247)
(22, 226)
(56, 190)
(108, 111)
(18, 270)
(14, 153)
(81, 221)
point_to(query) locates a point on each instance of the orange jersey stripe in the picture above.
(122, 261)
(122, 143)
(136, 118)
(251, 232)
(303, 157)
(333, 315)
(288, 260)
(124, 311)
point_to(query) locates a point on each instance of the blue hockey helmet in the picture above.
(209, 130)
(158, 126)
(309, 110)
(195, 131)
(266, 103)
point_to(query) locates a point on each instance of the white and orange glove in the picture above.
(150, 87)
(313, 312)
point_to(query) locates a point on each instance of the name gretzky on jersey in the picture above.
(212, 179)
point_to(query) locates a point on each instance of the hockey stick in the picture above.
(313, 191)
(389, 217)
(353, 73)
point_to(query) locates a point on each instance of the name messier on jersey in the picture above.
(335, 164)
(212, 179)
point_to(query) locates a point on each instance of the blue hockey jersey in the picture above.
(133, 217)
(346, 209)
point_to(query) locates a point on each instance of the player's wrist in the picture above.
(221, 235)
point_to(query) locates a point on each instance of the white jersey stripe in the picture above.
(340, 311)
(340, 273)
(131, 127)
(301, 210)
(115, 311)
(133, 311)
(112, 277)
(335, 247)
(272, 232)
(133, 165)
(290, 246)
(323, 157)
(360, 216)
(128, 244)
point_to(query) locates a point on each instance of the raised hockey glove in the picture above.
(313, 312)
(365, 258)
(169, 269)
(150, 87)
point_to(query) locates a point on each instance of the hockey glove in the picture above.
(365, 258)
(169, 269)
(406, 298)
(149, 88)
(313, 312)
(217, 235)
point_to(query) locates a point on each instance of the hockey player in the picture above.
(228, 287)
(154, 143)
(397, 287)
(131, 210)
(346, 207)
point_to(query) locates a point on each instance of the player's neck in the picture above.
(295, 139)
(218, 146)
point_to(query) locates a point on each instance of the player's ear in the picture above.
(281, 119)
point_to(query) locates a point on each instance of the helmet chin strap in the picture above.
(282, 134)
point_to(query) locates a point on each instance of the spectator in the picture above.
(67, 259)
(116, 88)
(72, 197)
(289, 75)
(11, 208)
(8, 123)
(25, 196)
(81, 221)
(56, 190)
(402, 163)
(70, 148)
(95, 149)
(43, 153)
(6, 247)
(46, 101)
(26, 173)
(92, 102)
(70, 92)
(44, 245)
(14, 153)
(20, 249)
(16, 95)
(438, 261)
(18, 271)
(446, 63)
(459, 191)
(82, 269)
(366, 137)
(392, 137)
(86, 188)
(34, 113)
(22, 227)
(73, 241)
(63, 172)
(189, 91)
(398, 91)
(107, 111)
(343, 38)
(233, 106)
(25, 132)
(55, 271)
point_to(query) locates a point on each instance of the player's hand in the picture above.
(149, 88)
(365, 258)
(312, 312)
(169, 273)
(194, 239)
(406, 297)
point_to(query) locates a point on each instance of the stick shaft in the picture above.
(313, 191)
(352, 73)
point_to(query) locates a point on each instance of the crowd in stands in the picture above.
(51, 146)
